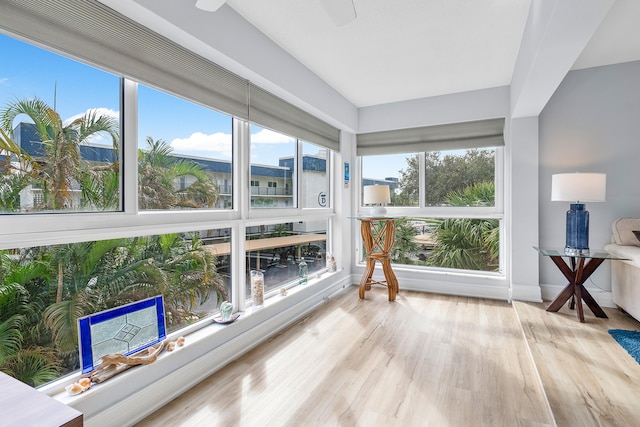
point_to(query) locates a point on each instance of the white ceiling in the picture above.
(397, 50)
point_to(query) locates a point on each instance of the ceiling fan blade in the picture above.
(341, 11)
(209, 5)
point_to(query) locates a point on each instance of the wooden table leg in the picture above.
(577, 275)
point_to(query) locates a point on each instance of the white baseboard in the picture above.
(530, 293)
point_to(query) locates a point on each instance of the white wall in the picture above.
(591, 124)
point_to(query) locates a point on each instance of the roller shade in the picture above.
(90, 31)
(476, 134)
(270, 111)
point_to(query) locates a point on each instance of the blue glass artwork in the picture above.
(125, 330)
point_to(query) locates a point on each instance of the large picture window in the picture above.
(315, 183)
(277, 250)
(60, 133)
(273, 168)
(155, 149)
(45, 289)
(185, 154)
(448, 193)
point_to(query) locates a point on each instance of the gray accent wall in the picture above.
(590, 124)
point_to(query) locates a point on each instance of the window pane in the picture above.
(61, 124)
(273, 168)
(315, 176)
(276, 250)
(457, 243)
(62, 283)
(185, 154)
(398, 171)
(460, 178)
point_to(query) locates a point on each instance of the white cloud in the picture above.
(101, 138)
(266, 136)
(216, 145)
(4, 80)
(99, 111)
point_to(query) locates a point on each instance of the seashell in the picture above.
(180, 341)
(85, 383)
(171, 346)
(74, 389)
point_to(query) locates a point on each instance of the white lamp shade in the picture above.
(376, 194)
(209, 5)
(578, 187)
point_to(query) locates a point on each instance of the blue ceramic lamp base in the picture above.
(577, 242)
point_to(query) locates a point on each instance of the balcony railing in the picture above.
(271, 191)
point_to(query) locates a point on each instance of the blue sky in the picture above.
(28, 71)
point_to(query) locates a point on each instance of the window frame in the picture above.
(53, 228)
(423, 211)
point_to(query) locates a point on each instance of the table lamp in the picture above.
(578, 188)
(377, 195)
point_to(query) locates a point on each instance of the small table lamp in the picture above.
(376, 195)
(578, 188)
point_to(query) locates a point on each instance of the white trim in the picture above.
(520, 292)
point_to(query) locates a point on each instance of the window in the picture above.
(464, 243)
(65, 282)
(184, 110)
(184, 150)
(398, 171)
(448, 192)
(61, 142)
(272, 159)
(315, 176)
(277, 250)
(460, 177)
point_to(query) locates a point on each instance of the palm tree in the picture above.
(17, 171)
(465, 243)
(104, 274)
(158, 175)
(24, 351)
(404, 246)
(63, 164)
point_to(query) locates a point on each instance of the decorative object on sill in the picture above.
(578, 188)
(257, 288)
(303, 272)
(226, 310)
(331, 264)
(233, 318)
(283, 292)
(171, 345)
(78, 387)
(377, 195)
(113, 364)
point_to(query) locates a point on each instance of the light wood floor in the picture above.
(423, 360)
(588, 378)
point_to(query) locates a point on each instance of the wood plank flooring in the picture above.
(423, 360)
(588, 378)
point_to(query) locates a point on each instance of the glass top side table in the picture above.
(580, 267)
